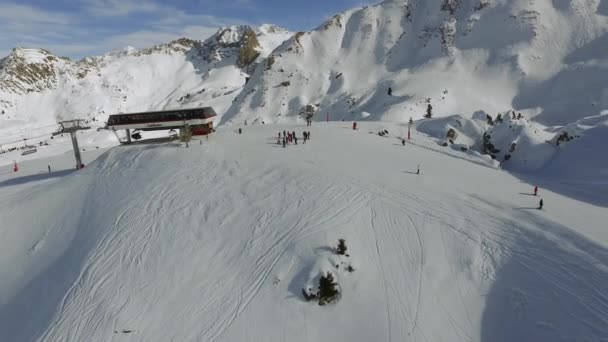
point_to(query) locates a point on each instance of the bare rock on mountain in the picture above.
(248, 52)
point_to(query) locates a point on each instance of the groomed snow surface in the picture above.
(158, 242)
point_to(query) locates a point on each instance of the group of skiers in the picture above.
(291, 137)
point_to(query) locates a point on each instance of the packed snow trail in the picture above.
(216, 241)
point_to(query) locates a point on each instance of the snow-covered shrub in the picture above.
(309, 295)
(563, 137)
(451, 135)
(488, 146)
(309, 110)
(489, 119)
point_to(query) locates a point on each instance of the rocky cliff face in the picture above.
(29, 70)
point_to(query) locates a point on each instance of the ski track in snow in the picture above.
(207, 244)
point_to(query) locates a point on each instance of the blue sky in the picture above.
(76, 28)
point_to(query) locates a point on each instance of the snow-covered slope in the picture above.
(38, 88)
(520, 145)
(544, 58)
(215, 243)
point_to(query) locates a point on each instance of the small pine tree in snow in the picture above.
(429, 111)
(490, 121)
(451, 135)
(341, 250)
(327, 289)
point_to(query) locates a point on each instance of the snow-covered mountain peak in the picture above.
(231, 34)
(35, 85)
(270, 29)
(125, 51)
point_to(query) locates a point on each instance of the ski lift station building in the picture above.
(198, 120)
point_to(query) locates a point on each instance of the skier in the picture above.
(418, 172)
(284, 133)
(295, 139)
(403, 142)
(284, 142)
(49, 168)
(535, 190)
(390, 91)
(354, 125)
(540, 204)
(240, 131)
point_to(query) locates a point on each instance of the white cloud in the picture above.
(12, 12)
(122, 7)
(76, 34)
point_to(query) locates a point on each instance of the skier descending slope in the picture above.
(535, 190)
(540, 204)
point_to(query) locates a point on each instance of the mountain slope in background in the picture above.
(545, 58)
(38, 88)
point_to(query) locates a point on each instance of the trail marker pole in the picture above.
(409, 128)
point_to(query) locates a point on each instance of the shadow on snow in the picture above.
(553, 287)
(35, 178)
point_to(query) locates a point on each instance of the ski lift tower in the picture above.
(71, 127)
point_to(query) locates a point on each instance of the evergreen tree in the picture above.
(327, 289)
(429, 111)
(341, 250)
